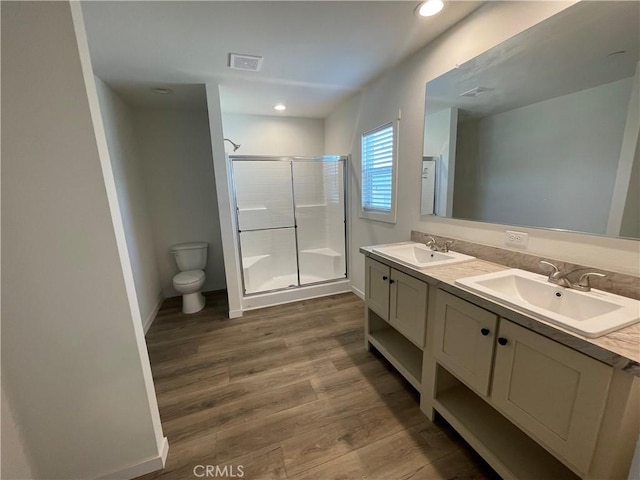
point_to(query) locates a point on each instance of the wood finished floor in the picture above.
(289, 392)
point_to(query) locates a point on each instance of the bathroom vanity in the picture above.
(534, 400)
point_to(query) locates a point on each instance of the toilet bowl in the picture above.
(191, 258)
(189, 284)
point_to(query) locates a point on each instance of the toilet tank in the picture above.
(190, 256)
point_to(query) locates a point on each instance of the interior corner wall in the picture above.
(440, 141)
(72, 364)
(631, 213)
(15, 464)
(175, 148)
(403, 88)
(274, 135)
(131, 188)
(226, 211)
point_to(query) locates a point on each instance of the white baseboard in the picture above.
(147, 466)
(235, 313)
(358, 292)
(164, 451)
(146, 325)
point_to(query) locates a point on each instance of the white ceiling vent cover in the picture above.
(251, 63)
(476, 92)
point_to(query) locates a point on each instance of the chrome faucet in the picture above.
(560, 278)
(583, 283)
(433, 245)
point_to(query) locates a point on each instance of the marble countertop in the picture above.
(620, 349)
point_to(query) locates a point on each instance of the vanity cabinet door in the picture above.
(408, 308)
(377, 277)
(464, 340)
(552, 392)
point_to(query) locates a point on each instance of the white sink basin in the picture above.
(418, 255)
(591, 314)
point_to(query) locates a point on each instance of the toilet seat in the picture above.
(189, 277)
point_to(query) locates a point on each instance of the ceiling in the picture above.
(584, 46)
(316, 53)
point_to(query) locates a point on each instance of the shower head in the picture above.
(236, 146)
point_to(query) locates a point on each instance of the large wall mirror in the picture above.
(542, 130)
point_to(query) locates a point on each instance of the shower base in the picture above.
(284, 281)
(261, 300)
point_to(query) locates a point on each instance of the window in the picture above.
(378, 173)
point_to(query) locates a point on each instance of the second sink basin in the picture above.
(591, 314)
(418, 255)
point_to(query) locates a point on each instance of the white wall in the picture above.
(274, 135)
(175, 147)
(73, 361)
(130, 179)
(562, 179)
(403, 88)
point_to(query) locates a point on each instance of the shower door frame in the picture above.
(291, 159)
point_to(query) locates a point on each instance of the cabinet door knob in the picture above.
(384, 277)
(502, 340)
(392, 281)
(484, 331)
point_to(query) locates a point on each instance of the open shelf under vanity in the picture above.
(398, 350)
(510, 452)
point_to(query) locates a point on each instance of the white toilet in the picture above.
(191, 259)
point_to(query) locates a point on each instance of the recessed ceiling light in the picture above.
(430, 7)
(162, 91)
(280, 107)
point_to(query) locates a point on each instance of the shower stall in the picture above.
(291, 221)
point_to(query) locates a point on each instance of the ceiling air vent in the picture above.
(476, 92)
(251, 63)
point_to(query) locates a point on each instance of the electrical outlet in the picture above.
(516, 239)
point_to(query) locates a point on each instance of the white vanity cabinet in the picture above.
(464, 340)
(532, 407)
(509, 375)
(377, 287)
(554, 393)
(396, 317)
(408, 306)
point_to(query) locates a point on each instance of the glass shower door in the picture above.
(266, 224)
(318, 186)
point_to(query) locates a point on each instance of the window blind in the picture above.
(377, 169)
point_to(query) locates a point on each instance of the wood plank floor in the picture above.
(289, 392)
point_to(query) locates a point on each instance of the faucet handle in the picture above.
(447, 244)
(555, 268)
(431, 243)
(583, 282)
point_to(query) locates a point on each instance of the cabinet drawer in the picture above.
(464, 340)
(552, 392)
(377, 287)
(408, 306)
